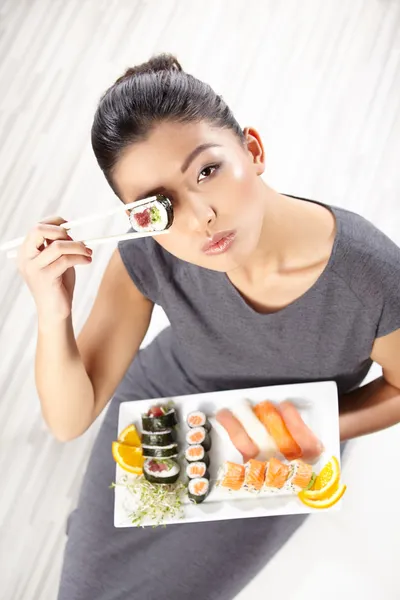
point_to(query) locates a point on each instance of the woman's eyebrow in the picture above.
(186, 164)
(195, 153)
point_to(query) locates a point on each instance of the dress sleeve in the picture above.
(140, 262)
(390, 315)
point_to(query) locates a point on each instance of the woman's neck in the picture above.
(295, 235)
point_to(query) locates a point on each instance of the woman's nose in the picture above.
(199, 214)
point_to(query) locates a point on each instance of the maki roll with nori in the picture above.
(197, 469)
(198, 490)
(160, 451)
(158, 438)
(198, 419)
(155, 215)
(198, 435)
(159, 418)
(161, 471)
(196, 453)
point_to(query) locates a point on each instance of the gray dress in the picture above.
(216, 341)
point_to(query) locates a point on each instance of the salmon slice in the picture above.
(237, 434)
(197, 471)
(196, 437)
(255, 474)
(310, 445)
(303, 474)
(277, 473)
(233, 476)
(275, 425)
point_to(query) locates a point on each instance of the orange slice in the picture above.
(129, 436)
(129, 458)
(325, 502)
(326, 483)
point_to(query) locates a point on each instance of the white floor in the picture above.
(321, 81)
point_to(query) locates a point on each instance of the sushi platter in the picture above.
(224, 455)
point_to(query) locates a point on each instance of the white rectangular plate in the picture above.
(318, 406)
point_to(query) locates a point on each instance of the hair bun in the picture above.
(156, 64)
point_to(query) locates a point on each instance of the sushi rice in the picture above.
(198, 419)
(197, 469)
(197, 453)
(198, 435)
(255, 429)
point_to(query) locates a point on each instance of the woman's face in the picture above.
(213, 183)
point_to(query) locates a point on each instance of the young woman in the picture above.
(260, 288)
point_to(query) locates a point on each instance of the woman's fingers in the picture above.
(39, 234)
(57, 249)
(65, 262)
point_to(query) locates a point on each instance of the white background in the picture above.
(321, 81)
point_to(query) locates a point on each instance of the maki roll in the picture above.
(159, 418)
(160, 451)
(198, 435)
(198, 419)
(198, 490)
(197, 453)
(161, 471)
(155, 215)
(197, 469)
(158, 438)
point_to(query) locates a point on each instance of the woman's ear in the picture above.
(255, 149)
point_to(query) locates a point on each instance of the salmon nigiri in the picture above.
(275, 425)
(255, 474)
(232, 475)
(310, 445)
(243, 411)
(237, 434)
(277, 473)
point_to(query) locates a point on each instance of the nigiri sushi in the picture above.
(255, 474)
(310, 445)
(237, 434)
(231, 475)
(256, 431)
(277, 473)
(275, 425)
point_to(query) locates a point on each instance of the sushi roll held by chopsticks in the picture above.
(149, 217)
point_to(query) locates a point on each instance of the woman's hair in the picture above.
(148, 94)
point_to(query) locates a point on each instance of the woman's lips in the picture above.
(219, 243)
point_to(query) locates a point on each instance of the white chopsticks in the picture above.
(11, 253)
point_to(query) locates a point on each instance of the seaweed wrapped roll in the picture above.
(159, 418)
(161, 471)
(158, 438)
(197, 469)
(198, 490)
(198, 435)
(198, 419)
(196, 453)
(155, 215)
(160, 451)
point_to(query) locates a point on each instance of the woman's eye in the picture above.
(208, 171)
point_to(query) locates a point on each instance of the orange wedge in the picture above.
(129, 458)
(325, 502)
(129, 436)
(326, 483)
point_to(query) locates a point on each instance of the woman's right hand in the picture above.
(46, 261)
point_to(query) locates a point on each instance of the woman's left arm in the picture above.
(376, 405)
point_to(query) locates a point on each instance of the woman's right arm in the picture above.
(76, 378)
